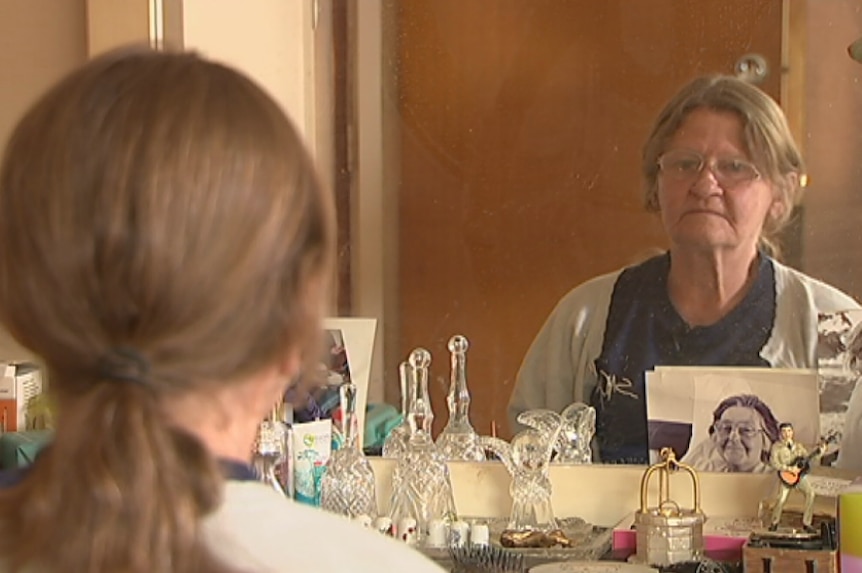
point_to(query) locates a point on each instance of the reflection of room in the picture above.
(488, 177)
(515, 181)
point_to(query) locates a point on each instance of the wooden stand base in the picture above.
(786, 560)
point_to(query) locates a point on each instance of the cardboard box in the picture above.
(20, 383)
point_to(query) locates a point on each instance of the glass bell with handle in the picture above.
(421, 487)
(458, 440)
(348, 486)
(270, 452)
(396, 441)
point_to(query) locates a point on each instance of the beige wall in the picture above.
(111, 23)
(374, 206)
(268, 39)
(272, 40)
(42, 40)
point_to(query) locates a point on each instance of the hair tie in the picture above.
(123, 364)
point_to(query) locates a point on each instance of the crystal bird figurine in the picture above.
(576, 434)
(574, 428)
(348, 486)
(458, 440)
(527, 459)
(421, 490)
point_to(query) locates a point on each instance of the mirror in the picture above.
(505, 141)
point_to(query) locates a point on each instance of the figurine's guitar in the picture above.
(803, 463)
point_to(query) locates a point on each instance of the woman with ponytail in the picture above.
(166, 251)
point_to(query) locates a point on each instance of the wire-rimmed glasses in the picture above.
(725, 429)
(686, 165)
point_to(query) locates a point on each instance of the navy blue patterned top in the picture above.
(644, 330)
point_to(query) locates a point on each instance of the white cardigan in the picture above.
(559, 367)
(258, 530)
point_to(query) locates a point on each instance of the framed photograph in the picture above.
(725, 419)
(346, 356)
(839, 364)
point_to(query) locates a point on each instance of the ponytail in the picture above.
(118, 490)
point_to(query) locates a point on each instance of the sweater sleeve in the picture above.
(558, 368)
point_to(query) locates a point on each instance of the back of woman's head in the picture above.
(766, 135)
(163, 232)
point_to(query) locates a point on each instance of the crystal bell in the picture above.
(396, 441)
(348, 486)
(270, 452)
(421, 487)
(458, 440)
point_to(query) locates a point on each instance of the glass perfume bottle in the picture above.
(348, 486)
(458, 440)
(396, 441)
(421, 490)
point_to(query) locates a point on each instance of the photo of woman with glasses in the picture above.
(722, 170)
(742, 432)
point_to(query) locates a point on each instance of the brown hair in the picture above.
(767, 137)
(160, 207)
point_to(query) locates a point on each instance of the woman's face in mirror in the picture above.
(705, 208)
(740, 438)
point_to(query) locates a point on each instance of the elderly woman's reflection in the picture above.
(742, 432)
(723, 171)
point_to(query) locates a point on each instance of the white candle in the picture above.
(459, 533)
(406, 531)
(384, 525)
(479, 534)
(436, 533)
(364, 520)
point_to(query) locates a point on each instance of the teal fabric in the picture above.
(19, 449)
(380, 419)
